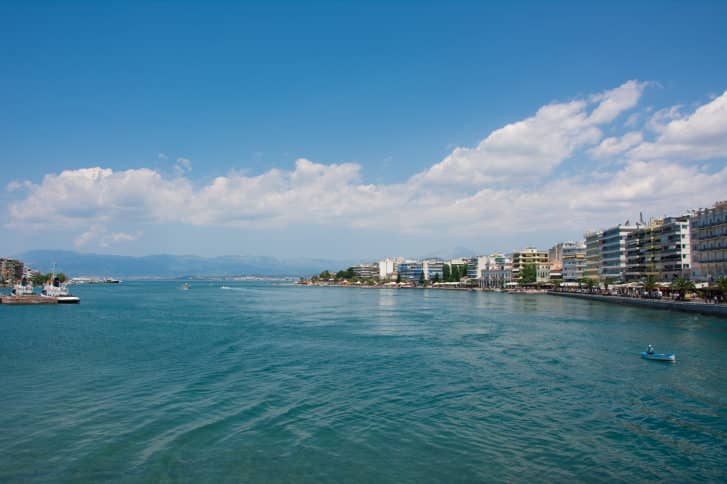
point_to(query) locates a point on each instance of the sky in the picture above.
(353, 130)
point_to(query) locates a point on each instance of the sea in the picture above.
(267, 382)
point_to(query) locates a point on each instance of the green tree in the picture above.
(446, 272)
(421, 278)
(682, 285)
(528, 274)
(650, 284)
(39, 279)
(435, 279)
(398, 278)
(325, 275)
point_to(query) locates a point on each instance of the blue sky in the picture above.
(184, 108)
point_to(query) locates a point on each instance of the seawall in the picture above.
(689, 307)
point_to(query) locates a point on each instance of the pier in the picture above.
(27, 300)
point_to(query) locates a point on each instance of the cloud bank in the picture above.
(514, 180)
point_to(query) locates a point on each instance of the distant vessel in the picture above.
(57, 290)
(185, 287)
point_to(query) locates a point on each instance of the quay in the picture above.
(685, 306)
(27, 300)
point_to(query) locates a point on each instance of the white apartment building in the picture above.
(709, 242)
(613, 252)
(388, 267)
(660, 249)
(573, 258)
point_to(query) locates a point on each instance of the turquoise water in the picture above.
(271, 383)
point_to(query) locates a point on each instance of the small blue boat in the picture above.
(671, 357)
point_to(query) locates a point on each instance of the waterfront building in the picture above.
(433, 268)
(366, 271)
(11, 270)
(497, 272)
(660, 249)
(592, 268)
(475, 266)
(525, 257)
(555, 272)
(542, 272)
(410, 270)
(573, 259)
(388, 268)
(613, 252)
(709, 242)
(555, 253)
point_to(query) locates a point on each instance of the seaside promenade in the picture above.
(685, 306)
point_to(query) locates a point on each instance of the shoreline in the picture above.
(719, 310)
(683, 306)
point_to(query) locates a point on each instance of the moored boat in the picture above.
(25, 288)
(57, 290)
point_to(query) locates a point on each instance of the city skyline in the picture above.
(345, 137)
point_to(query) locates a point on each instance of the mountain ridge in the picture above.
(77, 264)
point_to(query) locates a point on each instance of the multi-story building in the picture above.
(411, 270)
(542, 272)
(555, 253)
(592, 267)
(433, 269)
(366, 271)
(613, 252)
(388, 268)
(660, 249)
(497, 272)
(573, 259)
(11, 270)
(475, 265)
(709, 242)
(555, 272)
(522, 258)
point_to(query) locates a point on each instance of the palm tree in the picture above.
(682, 285)
(650, 284)
(590, 284)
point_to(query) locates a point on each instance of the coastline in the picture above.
(684, 306)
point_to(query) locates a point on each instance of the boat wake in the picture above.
(228, 288)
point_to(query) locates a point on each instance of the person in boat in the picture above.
(650, 350)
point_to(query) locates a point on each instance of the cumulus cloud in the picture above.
(476, 201)
(101, 237)
(616, 145)
(699, 136)
(533, 147)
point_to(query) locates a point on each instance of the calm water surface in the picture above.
(258, 382)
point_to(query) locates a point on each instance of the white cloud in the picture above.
(632, 120)
(701, 135)
(616, 101)
(182, 166)
(101, 237)
(162, 156)
(531, 148)
(613, 146)
(335, 194)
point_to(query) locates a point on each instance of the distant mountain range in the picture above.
(76, 264)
